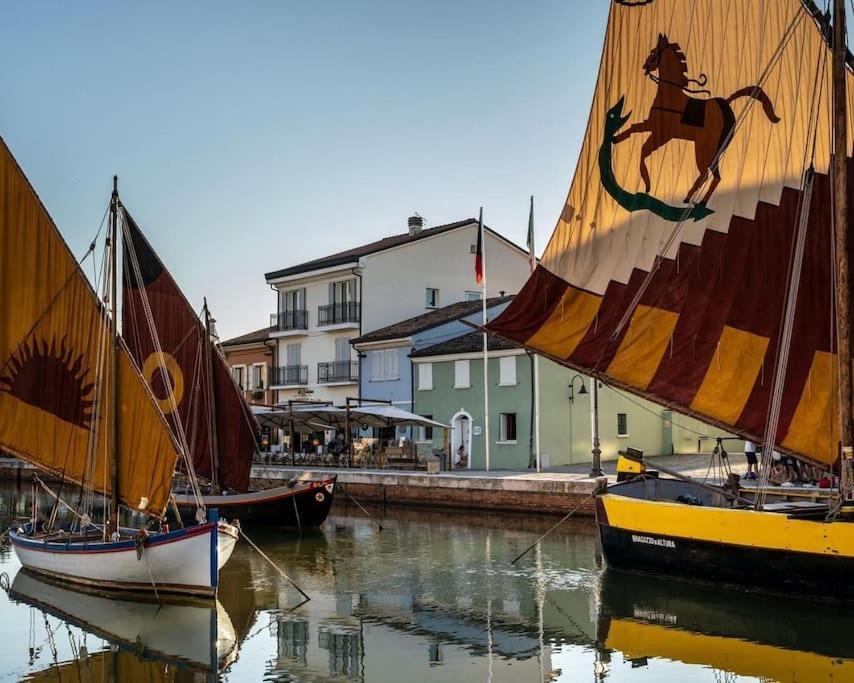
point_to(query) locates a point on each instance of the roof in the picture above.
(428, 320)
(249, 338)
(350, 255)
(468, 343)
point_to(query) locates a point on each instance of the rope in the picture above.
(552, 528)
(273, 564)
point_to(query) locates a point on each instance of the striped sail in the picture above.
(668, 269)
(55, 395)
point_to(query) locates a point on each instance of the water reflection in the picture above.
(432, 597)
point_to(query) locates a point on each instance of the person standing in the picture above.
(752, 461)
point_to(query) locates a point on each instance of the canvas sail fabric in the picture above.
(741, 88)
(184, 347)
(51, 326)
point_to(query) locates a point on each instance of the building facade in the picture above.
(449, 388)
(323, 305)
(251, 358)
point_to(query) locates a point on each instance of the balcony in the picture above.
(290, 375)
(285, 321)
(338, 371)
(337, 314)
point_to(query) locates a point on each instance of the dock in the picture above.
(530, 492)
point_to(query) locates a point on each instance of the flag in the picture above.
(478, 253)
(532, 257)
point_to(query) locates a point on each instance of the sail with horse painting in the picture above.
(708, 144)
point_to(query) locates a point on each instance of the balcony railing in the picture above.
(289, 320)
(338, 371)
(334, 314)
(288, 375)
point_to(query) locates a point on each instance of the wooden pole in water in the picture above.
(114, 372)
(840, 220)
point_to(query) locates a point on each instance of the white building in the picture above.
(324, 303)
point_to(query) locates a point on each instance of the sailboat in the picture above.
(200, 399)
(194, 635)
(73, 403)
(747, 634)
(701, 262)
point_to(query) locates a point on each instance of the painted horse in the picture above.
(708, 123)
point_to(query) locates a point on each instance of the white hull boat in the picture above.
(190, 634)
(180, 562)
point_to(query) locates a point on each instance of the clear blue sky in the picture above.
(249, 136)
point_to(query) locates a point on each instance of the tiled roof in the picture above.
(249, 338)
(468, 343)
(425, 321)
(350, 255)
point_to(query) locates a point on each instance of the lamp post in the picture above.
(596, 465)
(582, 391)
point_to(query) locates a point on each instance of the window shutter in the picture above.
(461, 373)
(425, 376)
(377, 368)
(391, 364)
(507, 370)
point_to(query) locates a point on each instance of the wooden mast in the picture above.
(840, 220)
(213, 436)
(114, 360)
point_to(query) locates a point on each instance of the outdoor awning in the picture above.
(313, 418)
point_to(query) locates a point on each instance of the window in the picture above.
(294, 352)
(425, 376)
(472, 296)
(391, 364)
(432, 297)
(622, 424)
(473, 249)
(425, 433)
(258, 376)
(238, 373)
(384, 365)
(342, 292)
(507, 427)
(342, 349)
(507, 371)
(292, 300)
(461, 374)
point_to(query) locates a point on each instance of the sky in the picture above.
(250, 136)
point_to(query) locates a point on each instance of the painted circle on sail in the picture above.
(166, 380)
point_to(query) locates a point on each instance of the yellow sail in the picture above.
(55, 403)
(667, 271)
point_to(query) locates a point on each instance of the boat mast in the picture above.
(213, 438)
(840, 221)
(114, 372)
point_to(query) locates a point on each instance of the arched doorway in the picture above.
(461, 436)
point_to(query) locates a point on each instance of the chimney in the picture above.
(416, 223)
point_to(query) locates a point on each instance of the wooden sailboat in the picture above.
(193, 635)
(201, 402)
(701, 262)
(72, 402)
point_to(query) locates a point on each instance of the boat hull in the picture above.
(304, 505)
(747, 548)
(181, 562)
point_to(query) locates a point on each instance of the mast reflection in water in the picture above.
(433, 597)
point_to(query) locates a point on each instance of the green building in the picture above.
(448, 387)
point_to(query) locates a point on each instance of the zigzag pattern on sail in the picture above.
(667, 272)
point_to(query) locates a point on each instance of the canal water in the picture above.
(432, 597)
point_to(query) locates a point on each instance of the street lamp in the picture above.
(581, 392)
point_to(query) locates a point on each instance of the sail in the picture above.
(668, 269)
(225, 429)
(55, 390)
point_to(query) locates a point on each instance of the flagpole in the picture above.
(532, 261)
(485, 353)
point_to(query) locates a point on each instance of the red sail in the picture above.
(153, 303)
